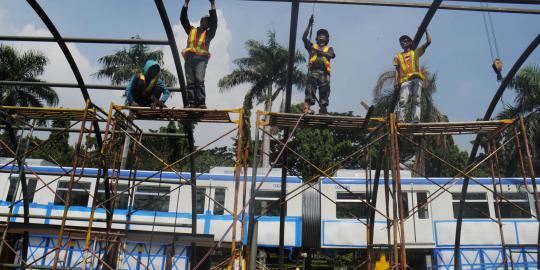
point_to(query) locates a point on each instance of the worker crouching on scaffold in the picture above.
(147, 89)
(319, 69)
(196, 54)
(409, 78)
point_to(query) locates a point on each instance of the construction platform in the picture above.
(181, 114)
(89, 114)
(317, 121)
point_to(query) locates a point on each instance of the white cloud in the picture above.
(58, 70)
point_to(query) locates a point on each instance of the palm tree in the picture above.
(27, 67)
(526, 84)
(383, 94)
(120, 66)
(265, 69)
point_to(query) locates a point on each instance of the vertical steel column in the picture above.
(396, 181)
(498, 200)
(295, 6)
(237, 169)
(474, 150)
(533, 180)
(371, 224)
(252, 237)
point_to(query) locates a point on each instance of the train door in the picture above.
(418, 224)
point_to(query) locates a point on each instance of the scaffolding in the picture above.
(390, 136)
(122, 134)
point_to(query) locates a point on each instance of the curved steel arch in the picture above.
(534, 44)
(84, 90)
(188, 126)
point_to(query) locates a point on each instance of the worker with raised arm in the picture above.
(147, 89)
(196, 54)
(319, 69)
(409, 77)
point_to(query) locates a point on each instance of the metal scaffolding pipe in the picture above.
(130, 41)
(73, 85)
(417, 5)
(51, 129)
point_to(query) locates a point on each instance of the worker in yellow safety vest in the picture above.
(196, 54)
(319, 69)
(409, 77)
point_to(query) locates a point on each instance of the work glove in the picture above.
(311, 20)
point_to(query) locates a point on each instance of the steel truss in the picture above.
(390, 135)
(119, 125)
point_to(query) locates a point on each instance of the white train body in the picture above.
(431, 228)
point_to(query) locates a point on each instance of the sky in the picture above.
(364, 38)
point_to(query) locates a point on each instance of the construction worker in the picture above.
(147, 89)
(409, 77)
(319, 69)
(196, 54)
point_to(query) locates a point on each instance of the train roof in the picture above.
(141, 174)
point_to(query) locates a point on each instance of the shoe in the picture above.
(309, 111)
(189, 106)
(323, 110)
(202, 106)
(415, 121)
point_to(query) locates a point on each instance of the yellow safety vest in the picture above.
(198, 48)
(409, 68)
(314, 57)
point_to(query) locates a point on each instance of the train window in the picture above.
(350, 205)
(152, 198)
(405, 198)
(517, 205)
(476, 205)
(121, 201)
(31, 187)
(200, 200)
(265, 203)
(79, 193)
(422, 205)
(219, 196)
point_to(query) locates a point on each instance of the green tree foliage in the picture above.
(170, 149)
(26, 66)
(265, 70)
(322, 147)
(123, 64)
(526, 85)
(57, 148)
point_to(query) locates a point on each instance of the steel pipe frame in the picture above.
(72, 85)
(472, 157)
(51, 129)
(88, 40)
(188, 125)
(417, 5)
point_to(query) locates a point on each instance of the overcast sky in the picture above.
(364, 39)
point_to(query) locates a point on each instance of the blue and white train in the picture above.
(429, 231)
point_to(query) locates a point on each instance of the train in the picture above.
(332, 219)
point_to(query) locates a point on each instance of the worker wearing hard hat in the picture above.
(409, 77)
(197, 55)
(320, 55)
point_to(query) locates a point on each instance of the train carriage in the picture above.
(162, 203)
